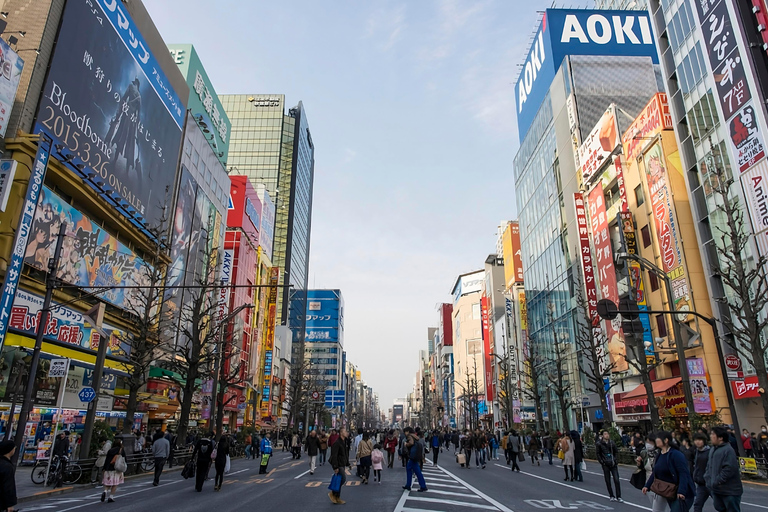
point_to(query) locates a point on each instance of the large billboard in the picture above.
(654, 118)
(513, 258)
(108, 104)
(598, 146)
(267, 228)
(11, 67)
(576, 32)
(244, 209)
(468, 283)
(203, 100)
(90, 257)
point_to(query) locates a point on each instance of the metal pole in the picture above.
(59, 410)
(9, 425)
(98, 370)
(728, 390)
(50, 283)
(680, 346)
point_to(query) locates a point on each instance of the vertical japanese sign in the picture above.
(13, 273)
(517, 254)
(484, 307)
(585, 255)
(606, 274)
(269, 342)
(666, 225)
(224, 291)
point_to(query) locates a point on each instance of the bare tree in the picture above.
(302, 378)
(531, 377)
(558, 380)
(746, 281)
(231, 371)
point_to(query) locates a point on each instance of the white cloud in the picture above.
(386, 26)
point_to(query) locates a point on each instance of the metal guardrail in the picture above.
(135, 462)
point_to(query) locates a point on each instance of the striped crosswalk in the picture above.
(446, 492)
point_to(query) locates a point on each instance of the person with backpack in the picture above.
(722, 475)
(608, 456)
(203, 453)
(377, 459)
(670, 478)
(415, 447)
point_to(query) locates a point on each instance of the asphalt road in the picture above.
(288, 486)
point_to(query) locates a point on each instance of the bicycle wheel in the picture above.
(72, 474)
(38, 473)
(147, 465)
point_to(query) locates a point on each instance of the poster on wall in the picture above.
(108, 102)
(746, 140)
(13, 382)
(702, 399)
(11, 67)
(90, 257)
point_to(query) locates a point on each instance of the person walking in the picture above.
(435, 446)
(455, 437)
(534, 446)
(700, 461)
(339, 462)
(549, 445)
(646, 461)
(608, 456)
(202, 454)
(112, 477)
(494, 448)
(266, 453)
(467, 448)
(390, 446)
(479, 446)
(323, 437)
(101, 457)
(222, 452)
(578, 455)
(377, 460)
(566, 445)
(415, 448)
(61, 450)
(363, 456)
(505, 445)
(722, 475)
(255, 446)
(312, 447)
(8, 497)
(161, 450)
(514, 445)
(171, 437)
(670, 479)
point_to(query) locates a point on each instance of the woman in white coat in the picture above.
(566, 445)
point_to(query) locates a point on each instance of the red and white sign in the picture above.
(747, 388)
(755, 184)
(732, 362)
(484, 306)
(585, 255)
(315, 395)
(654, 118)
(606, 275)
(599, 144)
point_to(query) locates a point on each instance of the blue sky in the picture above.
(411, 109)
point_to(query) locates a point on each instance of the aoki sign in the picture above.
(566, 32)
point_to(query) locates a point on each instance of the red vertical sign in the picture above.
(585, 254)
(487, 349)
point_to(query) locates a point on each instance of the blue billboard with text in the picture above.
(566, 32)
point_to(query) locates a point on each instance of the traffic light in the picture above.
(630, 316)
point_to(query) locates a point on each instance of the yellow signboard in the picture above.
(748, 466)
(523, 311)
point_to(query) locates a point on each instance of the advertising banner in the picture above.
(755, 185)
(484, 307)
(517, 254)
(606, 272)
(585, 254)
(224, 292)
(747, 388)
(599, 144)
(576, 32)
(269, 341)
(654, 118)
(666, 225)
(7, 173)
(267, 228)
(65, 325)
(13, 382)
(108, 102)
(90, 256)
(702, 399)
(11, 67)
(470, 283)
(508, 252)
(636, 282)
(13, 271)
(746, 140)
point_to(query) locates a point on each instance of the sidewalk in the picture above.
(28, 491)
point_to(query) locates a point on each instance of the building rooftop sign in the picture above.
(576, 32)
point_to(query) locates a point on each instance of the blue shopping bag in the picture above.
(335, 483)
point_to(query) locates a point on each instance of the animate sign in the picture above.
(566, 32)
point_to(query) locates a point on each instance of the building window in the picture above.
(476, 311)
(661, 325)
(654, 281)
(639, 198)
(645, 232)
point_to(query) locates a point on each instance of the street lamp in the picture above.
(217, 362)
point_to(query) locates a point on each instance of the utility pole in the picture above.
(50, 283)
(97, 315)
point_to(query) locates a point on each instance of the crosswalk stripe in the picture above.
(452, 502)
(449, 493)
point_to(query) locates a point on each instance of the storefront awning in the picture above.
(16, 340)
(659, 387)
(158, 372)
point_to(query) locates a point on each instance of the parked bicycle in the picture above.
(70, 475)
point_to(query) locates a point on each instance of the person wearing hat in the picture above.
(7, 476)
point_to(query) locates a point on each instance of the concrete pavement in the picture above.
(288, 486)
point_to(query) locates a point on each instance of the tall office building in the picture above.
(325, 337)
(715, 75)
(580, 62)
(275, 148)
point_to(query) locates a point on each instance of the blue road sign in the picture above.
(87, 395)
(335, 398)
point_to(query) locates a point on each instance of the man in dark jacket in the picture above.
(608, 455)
(339, 462)
(415, 448)
(7, 476)
(479, 442)
(203, 450)
(312, 447)
(61, 450)
(699, 468)
(722, 474)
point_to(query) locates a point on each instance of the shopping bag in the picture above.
(189, 469)
(583, 466)
(637, 480)
(521, 456)
(227, 466)
(561, 455)
(335, 482)
(120, 465)
(461, 458)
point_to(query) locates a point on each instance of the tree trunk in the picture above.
(564, 413)
(186, 405)
(130, 409)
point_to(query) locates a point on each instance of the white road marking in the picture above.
(449, 493)
(452, 502)
(241, 471)
(753, 505)
(301, 475)
(124, 494)
(454, 486)
(574, 487)
(401, 504)
(476, 491)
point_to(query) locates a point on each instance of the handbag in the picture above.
(214, 453)
(120, 465)
(665, 489)
(583, 466)
(189, 469)
(638, 478)
(521, 456)
(335, 483)
(561, 455)
(227, 466)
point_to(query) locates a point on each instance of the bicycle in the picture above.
(72, 473)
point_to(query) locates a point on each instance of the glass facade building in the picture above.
(275, 148)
